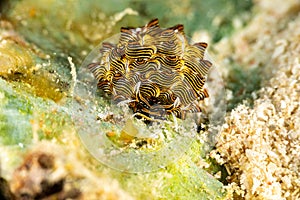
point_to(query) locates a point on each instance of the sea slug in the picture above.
(155, 71)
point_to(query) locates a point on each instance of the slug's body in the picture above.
(155, 71)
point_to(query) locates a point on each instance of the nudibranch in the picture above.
(155, 71)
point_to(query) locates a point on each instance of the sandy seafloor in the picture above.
(255, 47)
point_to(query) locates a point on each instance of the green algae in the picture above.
(180, 180)
(20, 110)
(15, 117)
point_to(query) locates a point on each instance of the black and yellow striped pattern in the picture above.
(155, 70)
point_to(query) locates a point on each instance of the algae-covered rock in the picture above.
(42, 45)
